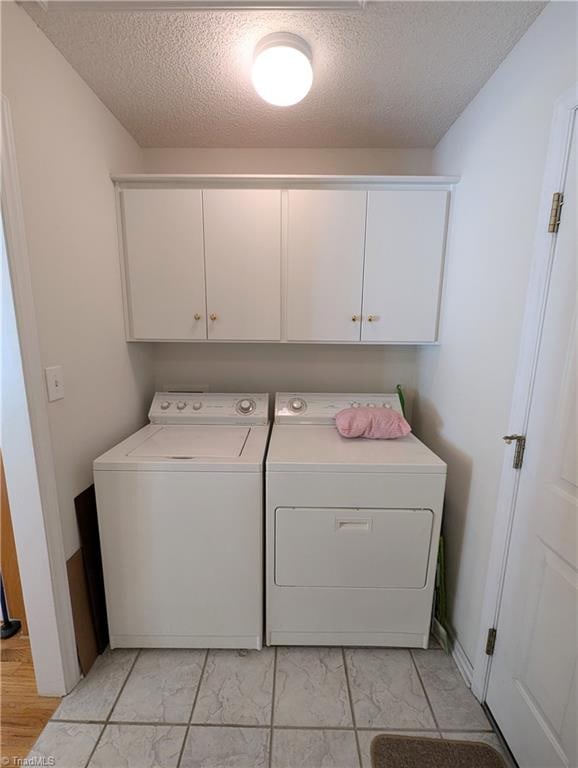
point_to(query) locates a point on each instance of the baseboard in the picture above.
(462, 662)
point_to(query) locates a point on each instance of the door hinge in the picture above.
(491, 641)
(520, 441)
(555, 212)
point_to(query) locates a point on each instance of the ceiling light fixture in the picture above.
(282, 71)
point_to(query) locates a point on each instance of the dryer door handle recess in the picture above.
(356, 525)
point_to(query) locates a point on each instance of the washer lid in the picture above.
(189, 448)
(191, 442)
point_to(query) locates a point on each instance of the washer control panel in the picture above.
(209, 408)
(321, 408)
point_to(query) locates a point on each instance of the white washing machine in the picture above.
(180, 512)
(352, 529)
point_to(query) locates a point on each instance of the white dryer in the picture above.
(352, 529)
(180, 511)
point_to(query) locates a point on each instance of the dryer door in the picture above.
(332, 547)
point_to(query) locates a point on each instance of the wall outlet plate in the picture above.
(54, 383)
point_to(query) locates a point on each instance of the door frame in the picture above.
(41, 552)
(565, 114)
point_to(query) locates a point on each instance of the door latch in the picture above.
(520, 441)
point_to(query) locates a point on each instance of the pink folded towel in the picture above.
(375, 423)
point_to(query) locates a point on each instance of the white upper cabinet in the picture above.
(404, 253)
(324, 274)
(164, 263)
(243, 263)
(335, 263)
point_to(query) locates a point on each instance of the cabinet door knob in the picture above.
(197, 316)
(371, 318)
(354, 318)
(213, 316)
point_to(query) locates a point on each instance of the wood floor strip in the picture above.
(23, 712)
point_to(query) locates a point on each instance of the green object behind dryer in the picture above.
(399, 391)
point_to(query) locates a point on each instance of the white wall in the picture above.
(67, 145)
(281, 367)
(285, 161)
(25, 504)
(498, 145)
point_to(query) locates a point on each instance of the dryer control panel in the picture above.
(321, 408)
(209, 408)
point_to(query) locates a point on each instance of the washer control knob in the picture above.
(181, 405)
(246, 406)
(165, 405)
(297, 405)
(355, 404)
(197, 405)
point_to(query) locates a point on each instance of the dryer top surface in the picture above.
(320, 448)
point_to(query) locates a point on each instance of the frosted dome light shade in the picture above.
(282, 71)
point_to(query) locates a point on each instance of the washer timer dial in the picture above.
(245, 406)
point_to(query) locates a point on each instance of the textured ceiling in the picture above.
(395, 74)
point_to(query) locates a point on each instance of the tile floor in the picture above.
(275, 708)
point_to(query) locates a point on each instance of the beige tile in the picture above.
(454, 705)
(386, 690)
(139, 746)
(226, 747)
(64, 745)
(94, 696)
(237, 688)
(293, 748)
(161, 687)
(311, 688)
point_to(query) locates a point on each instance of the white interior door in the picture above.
(243, 262)
(532, 686)
(325, 242)
(163, 234)
(403, 265)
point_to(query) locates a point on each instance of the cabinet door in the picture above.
(403, 265)
(243, 262)
(325, 236)
(165, 275)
